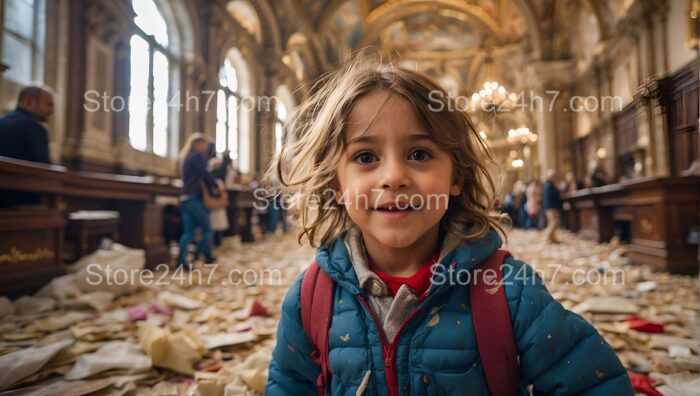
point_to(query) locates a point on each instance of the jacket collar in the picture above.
(345, 260)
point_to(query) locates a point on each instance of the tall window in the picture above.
(227, 114)
(23, 40)
(281, 112)
(150, 80)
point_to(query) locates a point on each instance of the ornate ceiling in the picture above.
(453, 40)
(454, 33)
(447, 39)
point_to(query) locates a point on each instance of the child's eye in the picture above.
(419, 155)
(364, 157)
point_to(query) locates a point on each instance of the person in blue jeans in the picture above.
(194, 213)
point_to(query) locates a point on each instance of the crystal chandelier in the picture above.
(493, 95)
(522, 135)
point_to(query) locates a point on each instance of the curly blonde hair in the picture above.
(306, 165)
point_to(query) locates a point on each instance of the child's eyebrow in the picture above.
(421, 136)
(362, 138)
(366, 138)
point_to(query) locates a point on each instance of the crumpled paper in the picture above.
(253, 371)
(220, 314)
(17, 365)
(113, 355)
(178, 301)
(102, 271)
(225, 339)
(28, 305)
(615, 305)
(56, 323)
(680, 384)
(178, 351)
(6, 307)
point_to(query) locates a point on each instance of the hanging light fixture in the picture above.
(522, 135)
(493, 94)
(517, 163)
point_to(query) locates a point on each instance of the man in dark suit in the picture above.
(22, 135)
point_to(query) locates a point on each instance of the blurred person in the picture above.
(23, 137)
(570, 183)
(219, 167)
(513, 200)
(193, 165)
(531, 215)
(552, 207)
(599, 177)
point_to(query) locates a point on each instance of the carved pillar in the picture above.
(554, 121)
(122, 89)
(194, 86)
(651, 121)
(218, 35)
(273, 77)
(105, 31)
(606, 133)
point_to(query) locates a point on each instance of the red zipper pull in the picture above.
(388, 356)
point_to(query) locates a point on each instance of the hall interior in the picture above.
(604, 94)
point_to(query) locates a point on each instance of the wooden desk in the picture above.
(83, 236)
(659, 211)
(66, 191)
(240, 213)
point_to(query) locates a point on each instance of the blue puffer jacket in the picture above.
(560, 353)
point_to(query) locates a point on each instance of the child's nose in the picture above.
(394, 176)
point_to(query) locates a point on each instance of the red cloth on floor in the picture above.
(644, 384)
(419, 282)
(639, 324)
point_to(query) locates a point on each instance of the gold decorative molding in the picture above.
(646, 227)
(15, 255)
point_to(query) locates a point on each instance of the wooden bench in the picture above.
(658, 214)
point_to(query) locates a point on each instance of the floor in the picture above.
(211, 330)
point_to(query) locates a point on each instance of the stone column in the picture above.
(551, 100)
(266, 111)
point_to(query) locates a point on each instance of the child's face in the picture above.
(395, 181)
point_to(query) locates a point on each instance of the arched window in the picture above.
(227, 114)
(23, 27)
(232, 120)
(150, 80)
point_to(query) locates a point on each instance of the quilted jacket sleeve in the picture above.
(292, 372)
(560, 352)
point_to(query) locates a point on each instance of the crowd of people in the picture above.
(538, 205)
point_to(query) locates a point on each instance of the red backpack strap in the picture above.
(316, 314)
(493, 328)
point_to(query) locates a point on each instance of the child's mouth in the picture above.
(395, 211)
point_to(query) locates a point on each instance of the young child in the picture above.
(389, 178)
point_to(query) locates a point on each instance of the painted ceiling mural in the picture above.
(453, 33)
(460, 43)
(426, 32)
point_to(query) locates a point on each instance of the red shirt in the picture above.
(419, 282)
